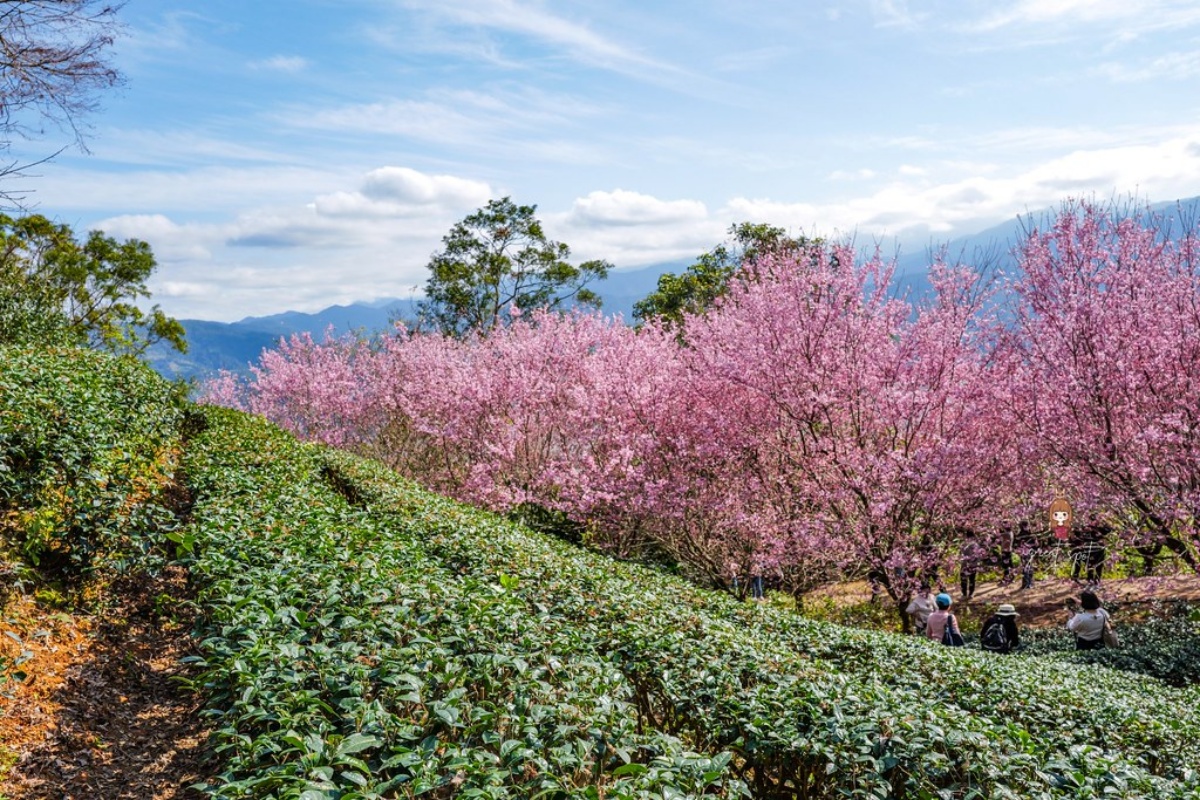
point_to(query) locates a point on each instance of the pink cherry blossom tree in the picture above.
(1103, 360)
(812, 426)
(854, 412)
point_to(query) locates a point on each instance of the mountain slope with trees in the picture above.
(357, 636)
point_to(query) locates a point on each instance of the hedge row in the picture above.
(1166, 646)
(913, 705)
(343, 661)
(362, 638)
(88, 443)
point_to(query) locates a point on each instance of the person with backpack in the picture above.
(941, 625)
(999, 633)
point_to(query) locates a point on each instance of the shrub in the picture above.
(363, 638)
(88, 441)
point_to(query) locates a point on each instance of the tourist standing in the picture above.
(919, 609)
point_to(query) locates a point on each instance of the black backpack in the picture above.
(994, 637)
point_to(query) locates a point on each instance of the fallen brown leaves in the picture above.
(100, 714)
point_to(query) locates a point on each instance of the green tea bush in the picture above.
(1166, 647)
(889, 681)
(341, 660)
(362, 638)
(87, 443)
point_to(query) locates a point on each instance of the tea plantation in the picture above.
(359, 637)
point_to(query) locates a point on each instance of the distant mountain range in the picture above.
(233, 346)
(214, 346)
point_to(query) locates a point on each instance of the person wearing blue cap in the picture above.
(942, 626)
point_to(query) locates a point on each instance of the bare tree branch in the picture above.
(53, 64)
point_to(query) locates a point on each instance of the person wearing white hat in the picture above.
(999, 632)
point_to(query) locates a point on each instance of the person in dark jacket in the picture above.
(999, 632)
(1030, 549)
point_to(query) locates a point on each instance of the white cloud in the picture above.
(1170, 66)
(1032, 12)
(292, 228)
(863, 174)
(387, 199)
(795, 217)
(276, 238)
(339, 246)
(173, 149)
(634, 229)
(265, 262)
(403, 192)
(174, 31)
(625, 208)
(484, 121)
(180, 289)
(407, 186)
(895, 14)
(289, 64)
(170, 241)
(1163, 171)
(752, 60)
(200, 191)
(530, 19)
(431, 121)
(1129, 17)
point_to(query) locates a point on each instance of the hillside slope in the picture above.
(363, 635)
(358, 637)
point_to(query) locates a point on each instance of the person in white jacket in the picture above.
(1088, 623)
(919, 609)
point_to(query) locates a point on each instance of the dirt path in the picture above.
(100, 714)
(1044, 604)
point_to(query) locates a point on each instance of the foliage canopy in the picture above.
(497, 258)
(56, 289)
(699, 286)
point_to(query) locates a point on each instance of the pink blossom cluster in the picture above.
(812, 424)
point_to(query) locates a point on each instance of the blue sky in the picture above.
(292, 155)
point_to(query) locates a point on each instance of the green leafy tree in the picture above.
(497, 258)
(57, 290)
(697, 288)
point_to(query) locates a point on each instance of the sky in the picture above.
(293, 155)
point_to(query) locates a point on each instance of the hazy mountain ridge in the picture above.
(233, 346)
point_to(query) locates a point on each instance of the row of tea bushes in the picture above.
(88, 442)
(362, 638)
(1166, 646)
(815, 710)
(1061, 705)
(342, 660)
